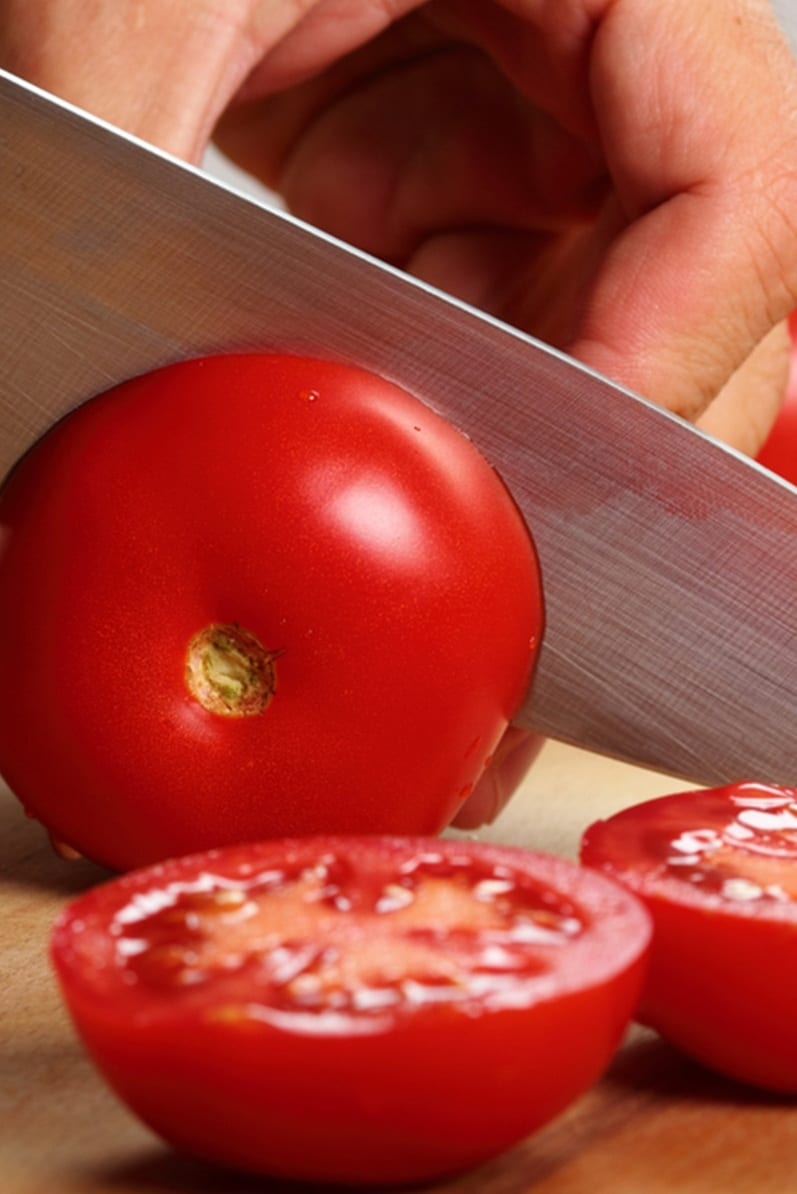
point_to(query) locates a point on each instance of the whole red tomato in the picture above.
(351, 1010)
(717, 870)
(256, 595)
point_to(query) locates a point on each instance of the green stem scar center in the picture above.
(229, 671)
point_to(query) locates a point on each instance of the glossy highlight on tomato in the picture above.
(256, 595)
(717, 869)
(352, 1009)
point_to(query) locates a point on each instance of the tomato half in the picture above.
(352, 1010)
(718, 871)
(251, 596)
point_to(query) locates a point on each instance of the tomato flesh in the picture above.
(254, 596)
(357, 1010)
(718, 872)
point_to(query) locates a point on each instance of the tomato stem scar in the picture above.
(229, 671)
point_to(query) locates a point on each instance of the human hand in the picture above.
(617, 178)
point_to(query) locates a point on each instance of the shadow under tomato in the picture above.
(652, 1068)
(27, 858)
(167, 1172)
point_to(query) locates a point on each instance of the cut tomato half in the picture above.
(717, 869)
(352, 1010)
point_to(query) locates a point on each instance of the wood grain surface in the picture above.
(655, 1124)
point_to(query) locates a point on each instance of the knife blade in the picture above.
(669, 562)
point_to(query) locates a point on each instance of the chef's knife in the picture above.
(669, 562)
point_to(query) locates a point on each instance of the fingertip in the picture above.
(509, 766)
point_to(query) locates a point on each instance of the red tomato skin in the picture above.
(721, 976)
(358, 535)
(430, 1094)
(721, 989)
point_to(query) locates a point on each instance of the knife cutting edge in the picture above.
(669, 561)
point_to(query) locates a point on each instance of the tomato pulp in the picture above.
(251, 596)
(352, 1010)
(718, 872)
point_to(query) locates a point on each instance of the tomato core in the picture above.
(229, 671)
(315, 939)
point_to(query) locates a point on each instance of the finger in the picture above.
(743, 412)
(278, 103)
(514, 755)
(410, 137)
(157, 70)
(321, 33)
(694, 107)
(697, 106)
(166, 71)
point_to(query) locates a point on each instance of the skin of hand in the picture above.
(617, 177)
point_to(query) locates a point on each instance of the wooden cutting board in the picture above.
(655, 1124)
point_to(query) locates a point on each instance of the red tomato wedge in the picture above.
(352, 1009)
(717, 869)
(256, 596)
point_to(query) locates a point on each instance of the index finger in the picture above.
(697, 109)
(694, 109)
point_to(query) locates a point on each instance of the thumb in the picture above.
(161, 71)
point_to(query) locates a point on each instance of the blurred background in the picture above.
(787, 13)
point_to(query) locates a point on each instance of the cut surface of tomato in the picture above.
(356, 1010)
(717, 869)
